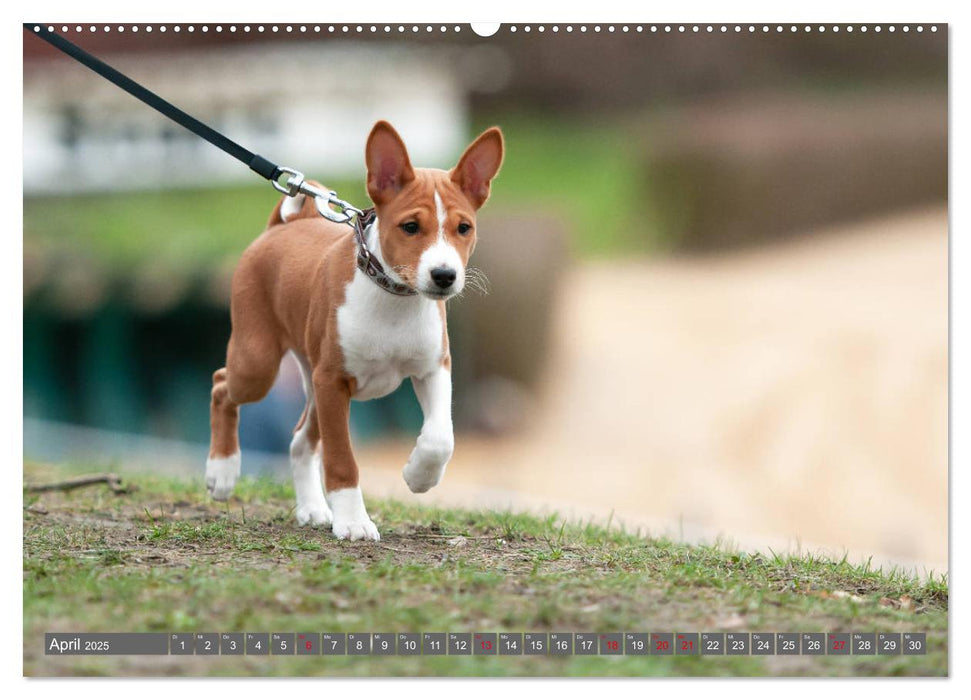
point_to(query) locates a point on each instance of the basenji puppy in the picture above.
(359, 312)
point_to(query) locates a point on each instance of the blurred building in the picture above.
(306, 105)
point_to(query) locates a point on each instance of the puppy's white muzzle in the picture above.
(441, 273)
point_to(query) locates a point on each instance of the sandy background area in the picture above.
(792, 397)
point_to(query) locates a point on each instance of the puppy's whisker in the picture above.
(476, 279)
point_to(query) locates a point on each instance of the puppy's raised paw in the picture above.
(427, 462)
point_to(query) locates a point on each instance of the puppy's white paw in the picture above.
(420, 480)
(358, 530)
(221, 475)
(426, 465)
(351, 521)
(312, 508)
(314, 513)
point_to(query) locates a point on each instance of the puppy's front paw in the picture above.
(426, 465)
(314, 513)
(420, 480)
(351, 521)
(221, 475)
(356, 530)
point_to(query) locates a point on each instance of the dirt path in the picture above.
(792, 396)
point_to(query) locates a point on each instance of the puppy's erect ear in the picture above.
(478, 165)
(388, 167)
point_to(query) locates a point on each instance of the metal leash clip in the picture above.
(324, 199)
(294, 182)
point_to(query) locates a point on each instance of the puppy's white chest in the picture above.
(385, 338)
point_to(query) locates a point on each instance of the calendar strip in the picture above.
(709, 644)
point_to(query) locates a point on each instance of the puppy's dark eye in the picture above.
(410, 227)
(464, 228)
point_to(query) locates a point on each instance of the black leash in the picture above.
(271, 171)
(256, 163)
(295, 182)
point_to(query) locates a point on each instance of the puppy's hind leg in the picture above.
(223, 464)
(252, 362)
(305, 460)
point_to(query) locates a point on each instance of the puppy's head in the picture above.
(426, 217)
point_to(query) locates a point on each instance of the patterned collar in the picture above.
(369, 264)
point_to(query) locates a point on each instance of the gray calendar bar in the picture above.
(104, 643)
(561, 643)
(888, 643)
(282, 643)
(383, 644)
(433, 644)
(358, 643)
(459, 643)
(485, 643)
(737, 643)
(182, 643)
(686, 644)
(612, 644)
(714, 644)
(333, 643)
(511, 644)
(308, 643)
(409, 644)
(662, 643)
(637, 643)
(864, 643)
(231, 644)
(586, 644)
(787, 643)
(838, 643)
(257, 643)
(536, 643)
(207, 643)
(915, 643)
(763, 644)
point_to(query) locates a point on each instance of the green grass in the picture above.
(583, 173)
(166, 559)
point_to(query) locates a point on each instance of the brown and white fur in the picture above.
(297, 288)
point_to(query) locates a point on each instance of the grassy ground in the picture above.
(164, 558)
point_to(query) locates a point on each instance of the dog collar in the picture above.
(370, 265)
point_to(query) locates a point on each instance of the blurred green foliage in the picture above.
(584, 173)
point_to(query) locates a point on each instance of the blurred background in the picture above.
(718, 266)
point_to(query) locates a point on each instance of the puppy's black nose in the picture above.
(444, 277)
